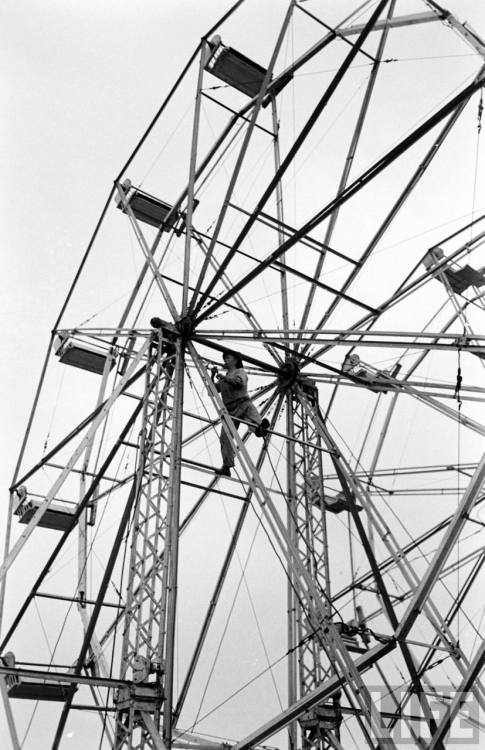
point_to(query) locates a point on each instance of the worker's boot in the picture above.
(224, 471)
(262, 429)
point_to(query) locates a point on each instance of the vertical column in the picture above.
(144, 624)
(311, 541)
(292, 600)
(171, 559)
(88, 514)
(192, 171)
(280, 214)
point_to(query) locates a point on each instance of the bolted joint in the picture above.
(288, 373)
(185, 327)
(165, 333)
(147, 697)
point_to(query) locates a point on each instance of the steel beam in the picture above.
(72, 679)
(461, 694)
(349, 160)
(143, 612)
(66, 534)
(9, 714)
(287, 231)
(382, 529)
(96, 610)
(86, 440)
(185, 523)
(174, 88)
(320, 694)
(157, 276)
(152, 728)
(334, 31)
(195, 302)
(345, 477)
(406, 287)
(394, 23)
(290, 156)
(311, 594)
(443, 552)
(449, 108)
(221, 579)
(292, 601)
(336, 332)
(463, 29)
(280, 212)
(308, 531)
(343, 341)
(415, 179)
(170, 560)
(191, 182)
(253, 322)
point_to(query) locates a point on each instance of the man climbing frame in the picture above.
(233, 387)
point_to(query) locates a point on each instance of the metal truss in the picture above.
(307, 526)
(308, 589)
(153, 546)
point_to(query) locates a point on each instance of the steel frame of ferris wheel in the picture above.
(320, 661)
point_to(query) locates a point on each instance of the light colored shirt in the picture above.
(233, 386)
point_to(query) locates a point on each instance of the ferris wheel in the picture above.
(317, 217)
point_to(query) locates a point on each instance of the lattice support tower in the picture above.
(307, 517)
(152, 543)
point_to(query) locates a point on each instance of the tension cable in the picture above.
(480, 112)
(477, 154)
(459, 381)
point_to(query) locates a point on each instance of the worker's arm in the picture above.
(237, 379)
(214, 375)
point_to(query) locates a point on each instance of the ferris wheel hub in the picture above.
(185, 326)
(288, 373)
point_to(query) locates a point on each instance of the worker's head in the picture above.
(232, 359)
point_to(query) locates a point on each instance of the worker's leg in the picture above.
(248, 412)
(227, 445)
(251, 414)
(227, 448)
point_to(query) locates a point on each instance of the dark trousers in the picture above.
(244, 410)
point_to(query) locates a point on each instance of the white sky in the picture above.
(80, 80)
